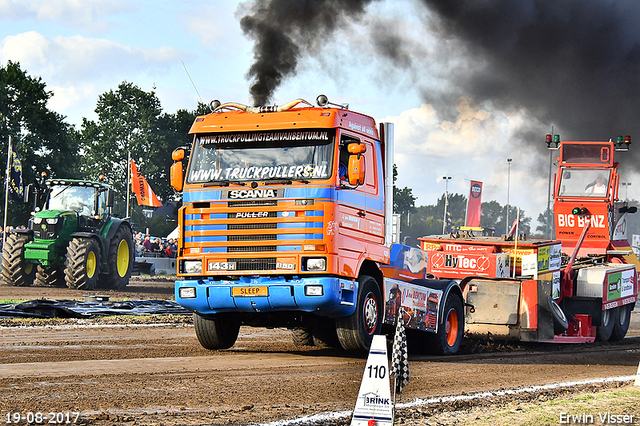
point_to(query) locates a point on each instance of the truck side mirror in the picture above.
(356, 170)
(176, 176)
(110, 197)
(356, 163)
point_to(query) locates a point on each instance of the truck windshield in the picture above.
(584, 183)
(77, 198)
(252, 156)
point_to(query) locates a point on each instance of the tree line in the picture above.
(131, 121)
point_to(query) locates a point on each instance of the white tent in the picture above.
(175, 234)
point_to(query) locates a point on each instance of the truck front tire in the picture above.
(15, 271)
(216, 332)
(356, 331)
(82, 265)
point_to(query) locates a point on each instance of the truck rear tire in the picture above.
(607, 322)
(216, 332)
(621, 320)
(82, 265)
(120, 260)
(49, 277)
(356, 331)
(15, 271)
(450, 332)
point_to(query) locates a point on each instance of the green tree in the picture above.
(542, 231)
(128, 123)
(404, 202)
(44, 142)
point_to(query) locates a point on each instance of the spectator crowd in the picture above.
(146, 245)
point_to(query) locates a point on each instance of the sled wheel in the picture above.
(621, 320)
(560, 321)
(49, 277)
(82, 264)
(216, 332)
(15, 271)
(356, 331)
(120, 260)
(607, 322)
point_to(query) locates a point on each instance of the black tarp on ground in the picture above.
(47, 308)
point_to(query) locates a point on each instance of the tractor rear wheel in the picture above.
(49, 277)
(15, 271)
(82, 264)
(356, 331)
(216, 332)
(302, 336)
(120, 260)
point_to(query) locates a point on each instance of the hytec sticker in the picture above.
(447, 264)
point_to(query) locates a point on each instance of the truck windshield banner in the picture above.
(264, 137)
(256, 156)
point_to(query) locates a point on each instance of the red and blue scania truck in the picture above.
(287, 222)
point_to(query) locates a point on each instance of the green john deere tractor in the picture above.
(72, 239)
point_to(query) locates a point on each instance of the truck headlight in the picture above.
(192, 266)
(313, 290)
(187, 292)
(316, 264)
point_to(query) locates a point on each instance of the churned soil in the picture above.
(152, 370)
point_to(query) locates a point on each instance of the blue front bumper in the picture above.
(337, 297)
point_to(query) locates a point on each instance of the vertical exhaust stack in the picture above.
(386, 137)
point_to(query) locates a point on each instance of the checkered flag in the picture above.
(400, 357)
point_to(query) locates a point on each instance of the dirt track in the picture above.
(126, 371)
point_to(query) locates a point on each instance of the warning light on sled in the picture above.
(553, 141)
(622, 144)
(580, 211)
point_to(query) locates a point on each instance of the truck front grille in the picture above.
(264, 264)
(252, 228)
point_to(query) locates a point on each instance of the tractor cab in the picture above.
(87, 205)
(588, 213)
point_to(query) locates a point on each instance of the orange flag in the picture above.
(141, 188)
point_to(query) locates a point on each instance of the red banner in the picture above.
(474, 205)
(144, 193)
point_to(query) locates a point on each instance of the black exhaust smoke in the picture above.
(284, 30)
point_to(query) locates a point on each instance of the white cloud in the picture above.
(89, 15)
(474, 146)
(78, 58)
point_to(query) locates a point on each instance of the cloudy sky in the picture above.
(467, 87)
